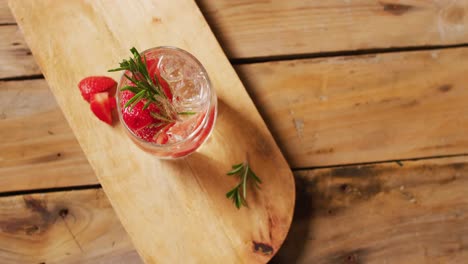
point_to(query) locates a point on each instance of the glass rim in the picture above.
(194, 133)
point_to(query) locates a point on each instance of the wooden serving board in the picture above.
(174, 211)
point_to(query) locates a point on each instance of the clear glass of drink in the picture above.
(192, 99)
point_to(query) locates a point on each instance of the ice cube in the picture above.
(182, 129)
(190, 94)
(171, 68)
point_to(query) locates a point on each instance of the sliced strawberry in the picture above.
(101, 107)
(152, 66)
(162, 137)
(112, 102)
(137, 118)
(209, 125)
(124, 97)
(95, 84)
(147, 133)
(164, 85)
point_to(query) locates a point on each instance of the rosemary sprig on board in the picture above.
(239, 193)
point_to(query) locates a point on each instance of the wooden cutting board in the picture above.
(175, 211)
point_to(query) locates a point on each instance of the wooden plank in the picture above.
(271, 28)
(17, 60)
(365, 108)
(276, 27)
(413, 212)
(416, 212)
(185, 197)
(38, 148)
(62, 227)
(328, 115)
(5, 15)
(16, 57)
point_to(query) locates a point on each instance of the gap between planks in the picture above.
(343, 53)
(398, 161)
(23, 78)
(51, 190)
(348, 53)
(98, 186)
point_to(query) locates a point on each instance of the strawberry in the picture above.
(112, 102)
(152, 66)
(136, 118)
(163, 138)
(95, 84)
(164, 85)
(124, 97)
(101, 107)
(147, 133)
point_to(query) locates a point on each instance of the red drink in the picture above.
(175, 121)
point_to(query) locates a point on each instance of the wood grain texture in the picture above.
(63, 227)
(271, 28)
(169, 208)
(5, 14)
(276, 27)
(366, 108)
(323, 112)
(38, 147)
(16, 59)
(413, 212)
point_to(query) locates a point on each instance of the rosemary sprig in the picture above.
(239, 193)
(146, 87)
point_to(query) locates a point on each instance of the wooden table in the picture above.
(367, 100)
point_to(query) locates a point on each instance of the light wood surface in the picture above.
(16, 56)
(38, 147)
(413, 212)
(322, 112)
(169, 208)
(272, 28)
(364, 108)
(277, 27)
(5, 14)
(63, 227)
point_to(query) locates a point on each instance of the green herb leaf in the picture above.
(239, 193)
(257, 179)
(186, 113)
(237, 165)
(238, 200)
(147, 104)
(146, 88)
(132, 89)
(235, 171)
(135, 98)
(231, 193)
